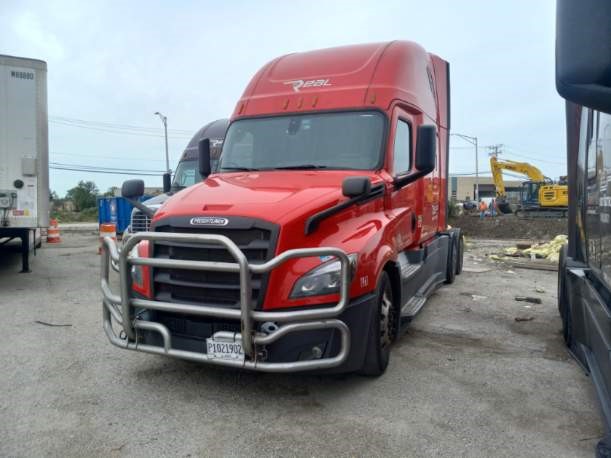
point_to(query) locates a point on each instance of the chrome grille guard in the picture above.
(120, 308)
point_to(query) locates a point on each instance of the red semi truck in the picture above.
(320, 235)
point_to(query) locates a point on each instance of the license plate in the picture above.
(222, 349)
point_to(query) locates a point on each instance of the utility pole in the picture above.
(473, 141)
(496, 149)
(476, 171)
(164, 120)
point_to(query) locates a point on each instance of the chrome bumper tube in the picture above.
(120, 308)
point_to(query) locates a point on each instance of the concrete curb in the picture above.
(79, 227)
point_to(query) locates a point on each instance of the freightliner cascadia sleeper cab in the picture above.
(320, 235)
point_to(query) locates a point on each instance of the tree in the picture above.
(83, 195)
(112, 191)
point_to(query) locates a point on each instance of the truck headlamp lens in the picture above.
(137, 276)
(324, 279)
(136, 271)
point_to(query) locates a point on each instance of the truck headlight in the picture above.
(136, 271)
(324, 279)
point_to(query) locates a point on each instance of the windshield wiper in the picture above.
(301, 167)
(238, 169)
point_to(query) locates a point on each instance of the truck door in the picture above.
(431, 191)
(604, 143)
(406, 209)
(596, 313)
(593, 191)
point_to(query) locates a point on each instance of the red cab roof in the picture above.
(357, 76)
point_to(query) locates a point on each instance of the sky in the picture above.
(116, 63)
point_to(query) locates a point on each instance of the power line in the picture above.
(121, 158)
(530, 157)
(116, 125)
(94, 167)
(104, 171)
(120, 132)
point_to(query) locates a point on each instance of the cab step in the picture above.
(413, 306)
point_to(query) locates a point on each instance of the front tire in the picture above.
(382, 330)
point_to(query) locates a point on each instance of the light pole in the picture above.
(473, 141)
(164, 120)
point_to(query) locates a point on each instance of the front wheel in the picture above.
(382, 330)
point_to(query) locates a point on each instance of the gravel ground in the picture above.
(467, 380)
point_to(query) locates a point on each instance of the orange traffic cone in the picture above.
(107, 230)
(53, 232)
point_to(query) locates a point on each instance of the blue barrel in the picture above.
(103, 209)
(116, 210)
(124, 213)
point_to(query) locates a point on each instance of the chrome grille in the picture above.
(220, 289)
(140, 222)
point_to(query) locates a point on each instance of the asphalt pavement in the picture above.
(467, 380)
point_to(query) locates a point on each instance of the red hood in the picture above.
(275, 196)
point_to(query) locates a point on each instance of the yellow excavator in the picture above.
(539, 196)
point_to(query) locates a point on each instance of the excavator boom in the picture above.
(497, 167)
(539, 193)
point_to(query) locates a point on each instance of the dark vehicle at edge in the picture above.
(583, 78)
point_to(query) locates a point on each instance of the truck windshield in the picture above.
(187, 173)
(347, 141)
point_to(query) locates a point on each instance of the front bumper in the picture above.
(270, 351)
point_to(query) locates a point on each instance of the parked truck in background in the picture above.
(322, 232)
(187, 171)
(24, 152)
(583, 78)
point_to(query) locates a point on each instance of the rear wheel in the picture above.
(461, 253)
(382, 330)
(452, 265)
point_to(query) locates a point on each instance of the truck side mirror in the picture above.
(167, 182)
(356, 186)
(426, 152)
(204, 157)
(132, 189)
(583, 53)
(426, 149)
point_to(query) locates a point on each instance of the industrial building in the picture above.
(462, 188)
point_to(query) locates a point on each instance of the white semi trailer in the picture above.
(24, 152)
